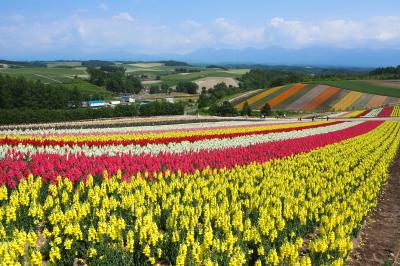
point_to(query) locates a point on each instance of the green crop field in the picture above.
(65, 64)
(45, 74)
(238, 71)
(174, 79)
(363, 86)
(64, 72)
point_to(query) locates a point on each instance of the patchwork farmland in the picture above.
(314, 97)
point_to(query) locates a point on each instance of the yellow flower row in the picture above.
(258, 213)
(352, 114)
(259, 96)
(396, 111)
(347, 100)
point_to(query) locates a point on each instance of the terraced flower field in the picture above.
(386, 111)
(312, 97)
(232, 192)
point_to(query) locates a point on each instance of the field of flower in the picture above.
(386, 111)
(396, 111)
(217, 193)
(315, 97)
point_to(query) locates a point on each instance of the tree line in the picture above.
(387, 72)
(21, 93)
(23, 116)
(114, 79)
(214, 95)
(263, 78)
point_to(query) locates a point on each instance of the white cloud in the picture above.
(377, 31)
(103, 6)
(232, 33)
(123, 16)
(126, 34)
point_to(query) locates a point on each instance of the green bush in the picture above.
(161, 108)
(20, 116)
(225, 109)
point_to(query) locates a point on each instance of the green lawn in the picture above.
(362, 86)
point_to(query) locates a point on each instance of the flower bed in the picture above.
(286, 195)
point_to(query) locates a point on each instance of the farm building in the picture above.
(144, 102)
(127, 99)
(96, 103)
(115, 102)
(170, 99)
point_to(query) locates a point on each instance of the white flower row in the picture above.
(373, 113)
(180, 147)
(124, 130)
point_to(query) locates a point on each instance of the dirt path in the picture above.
(42, 76)
(379, 239)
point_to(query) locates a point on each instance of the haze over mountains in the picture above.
(312, 56)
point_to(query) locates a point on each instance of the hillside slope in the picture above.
(314, 97)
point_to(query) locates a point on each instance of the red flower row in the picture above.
(386, 111)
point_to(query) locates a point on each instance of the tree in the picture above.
(96, 76)
(225, 109)
(187, 87)
(154, 89)
(6, 96)
(115, 83)
(266, 109)
(133, 84)
(203, 100)
(246, 110)
(75, 98)
(114, 79)
(164, 87)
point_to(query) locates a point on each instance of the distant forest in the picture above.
(114, 79)
(388, 72)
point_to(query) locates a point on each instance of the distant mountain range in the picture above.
(313, 56)
(307, 56)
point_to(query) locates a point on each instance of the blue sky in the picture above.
(61, 29)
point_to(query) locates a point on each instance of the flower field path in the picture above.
(379, 238)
